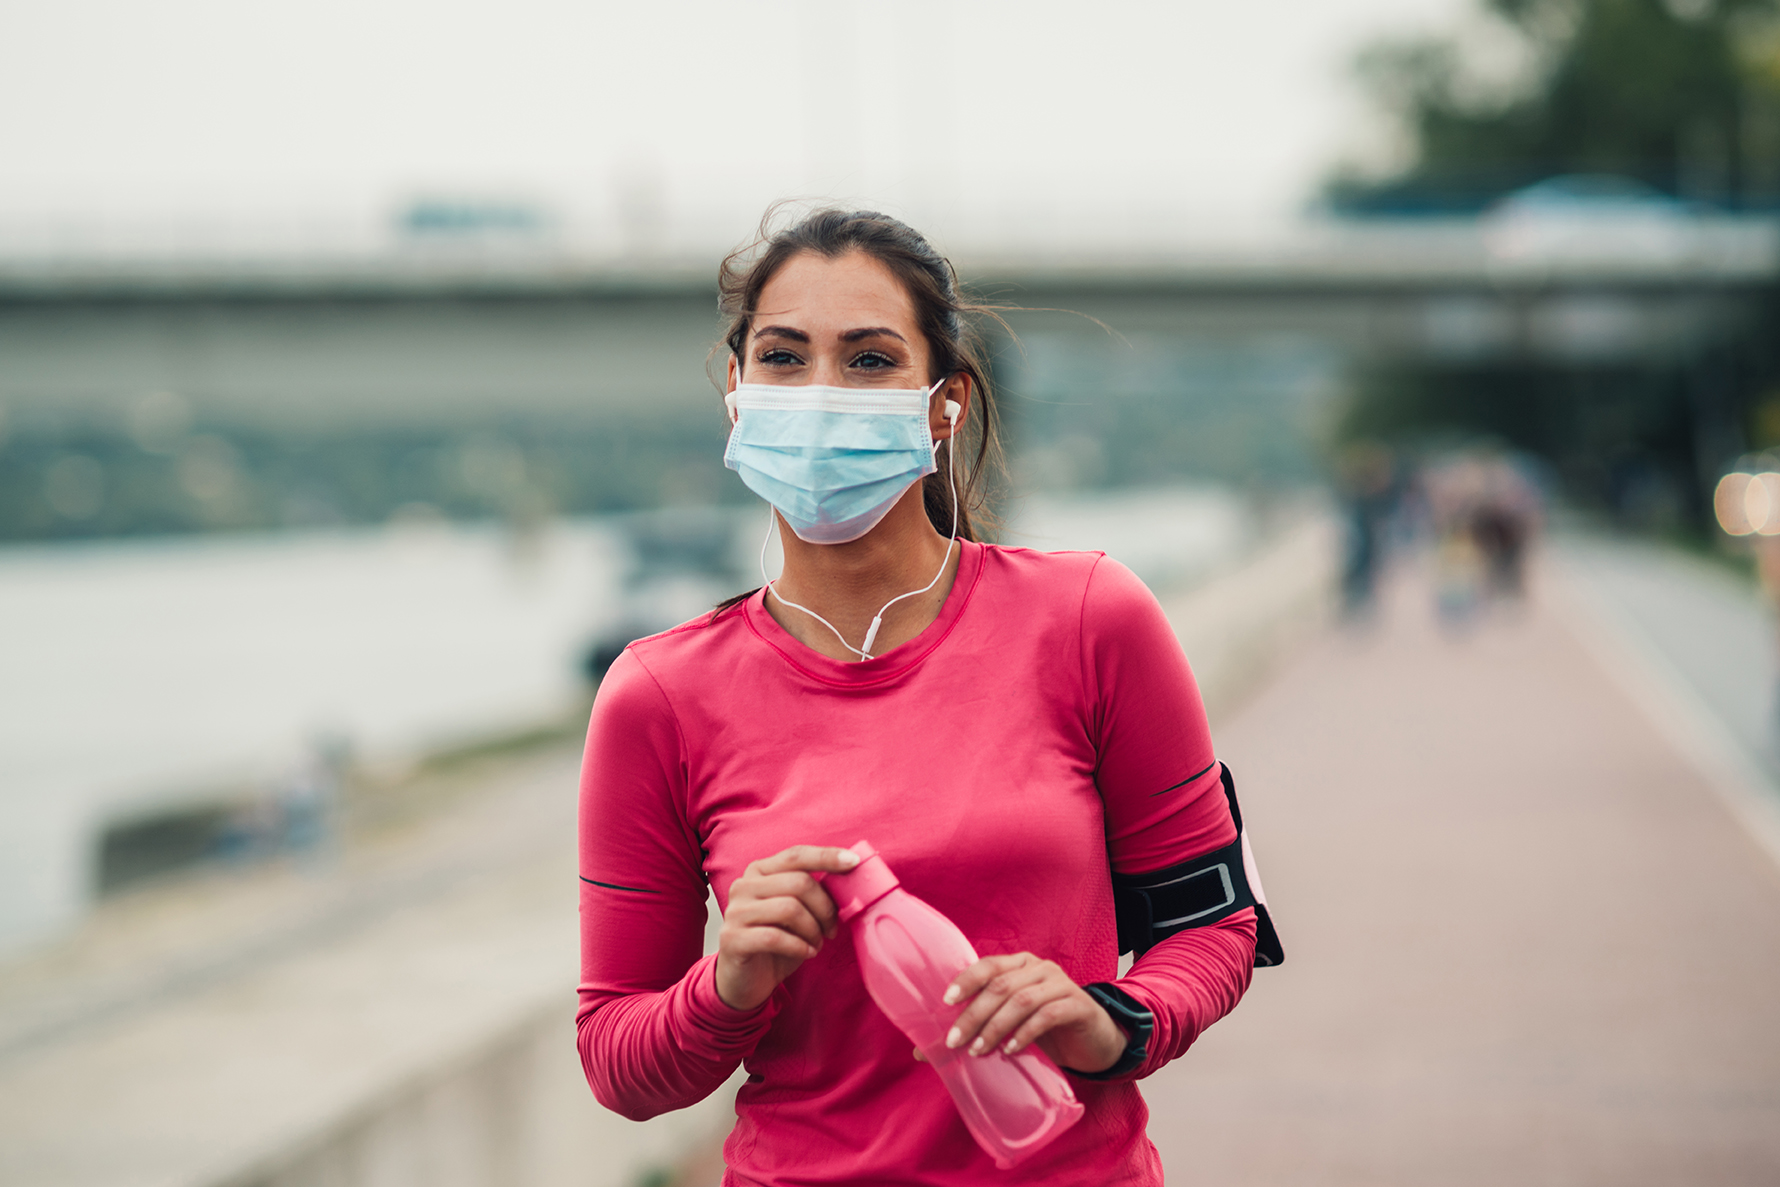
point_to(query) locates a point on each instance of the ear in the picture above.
(959, 388)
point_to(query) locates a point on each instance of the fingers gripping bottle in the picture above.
(909, 953)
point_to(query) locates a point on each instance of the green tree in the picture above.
(1682, 94)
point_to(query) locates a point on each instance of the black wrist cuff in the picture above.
(1137, 1022)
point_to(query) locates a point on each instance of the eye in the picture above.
(778, 356)
(872, 360)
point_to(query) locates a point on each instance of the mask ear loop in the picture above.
(871, 634)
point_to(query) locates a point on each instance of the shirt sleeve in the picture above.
(1160, 781)
(652, 1032)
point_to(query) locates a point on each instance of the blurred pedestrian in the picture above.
(1367, 481)
(1504, 517)
(999, 723)
(1484, 513)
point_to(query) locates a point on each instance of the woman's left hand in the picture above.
(1020, 1000)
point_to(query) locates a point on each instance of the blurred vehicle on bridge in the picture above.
(1590, 219)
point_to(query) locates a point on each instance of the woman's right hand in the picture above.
(778, 917)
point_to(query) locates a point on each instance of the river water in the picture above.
(138, 675)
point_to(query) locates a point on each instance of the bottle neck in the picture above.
(861, 886)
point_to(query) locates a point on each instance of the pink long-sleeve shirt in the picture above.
(1045, 723)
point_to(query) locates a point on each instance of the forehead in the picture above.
(819, 293)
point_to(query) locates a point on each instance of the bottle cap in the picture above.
(862, 885)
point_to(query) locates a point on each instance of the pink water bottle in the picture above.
(909, 953)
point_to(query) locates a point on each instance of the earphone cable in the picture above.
(877, 621)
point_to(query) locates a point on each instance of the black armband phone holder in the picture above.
(1196, 893)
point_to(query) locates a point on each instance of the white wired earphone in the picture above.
(953, 408)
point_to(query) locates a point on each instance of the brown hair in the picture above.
(947, 321)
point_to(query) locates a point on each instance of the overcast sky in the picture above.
(677, 122)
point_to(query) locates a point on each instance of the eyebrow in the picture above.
(872, 332)
(797, 335)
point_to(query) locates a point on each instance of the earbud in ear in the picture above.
(953, 408)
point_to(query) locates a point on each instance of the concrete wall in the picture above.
(1239, 626)
(515, 1112)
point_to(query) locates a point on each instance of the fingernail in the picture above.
(953, 993)
(976, 1048)
(1011, 1046)
(954, 1037)
(849, 859)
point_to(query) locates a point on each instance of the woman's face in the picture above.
(841, 322)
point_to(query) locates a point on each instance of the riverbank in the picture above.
(403, 1014)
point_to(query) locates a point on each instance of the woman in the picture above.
(996, 721)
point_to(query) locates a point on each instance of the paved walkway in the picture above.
(1709, 631)
(1527, 942)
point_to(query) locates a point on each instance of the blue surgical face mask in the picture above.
(833, 460)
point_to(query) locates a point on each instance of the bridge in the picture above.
(1216, 359)
(1449, 288)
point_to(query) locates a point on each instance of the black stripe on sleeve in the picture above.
(615, 886)
(1184, 782)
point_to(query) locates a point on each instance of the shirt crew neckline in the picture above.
(879, 668)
